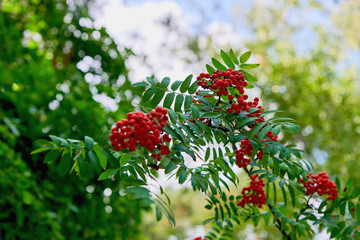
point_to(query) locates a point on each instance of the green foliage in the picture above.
(201, 119)
(44, 93)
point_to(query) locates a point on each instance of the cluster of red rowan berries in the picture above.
(254, 194)
(320, 184)
(200, 238)
(246, 150)
(140, 129)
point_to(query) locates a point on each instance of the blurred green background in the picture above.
(66, 68)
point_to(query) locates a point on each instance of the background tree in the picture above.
(55, 69)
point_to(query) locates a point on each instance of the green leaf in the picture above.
(292, 194)
(125, 158)
(249, 77)
(170, 167)
(193, 88)
(233, 56)
(139, 192)
(357, 211)
(211, 115)
(255, 130)
(172, 115)
(207, 154)
(194, 111)
(89, 142)
(210, 69)
(107, 174)
(276, 130)
(186, 83)
(151, 81)
(264, 131)
(218, 65)
(95, 161)
(188, 101)
(183, 176)
(249, 66)
(165, 82)
(178, 103)
(39, 150)
(139, 84)
(157, 98)
(52, 156)
(227, 60)
(65, 164)
(169, 99)
(244, 57)
(82, 165)
(56, 140)
(102, 159)
(158, 213)
(176, 85)
(148, 94)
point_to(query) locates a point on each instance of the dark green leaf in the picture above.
(211, 115)
(151, 81)
(264, 131)
(244, 57)
(193, 87)
(178, 102)
(255, 130)
(165, 82)
(194, 111)
(148, 94)
(227, 60)
(139, 192)
(188, 101)
(65, 164)
(89, 142)
(169, 99)
(292, 194)
(95, 161)
(52, 156)
(157, 98)
(185, 85)
(176, 85)
(158, 213)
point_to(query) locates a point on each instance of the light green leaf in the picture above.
(218, 65)
(249, 66)
(244, 57)
(139, 84)
(227, 60)
(210, 69)
(125, 158)
(248, 76)
(107, 174)
(233, 57)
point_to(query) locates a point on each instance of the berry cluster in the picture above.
(254, 194)
(140, 129)
(200, 238)
(320, 184)
(246, 150)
